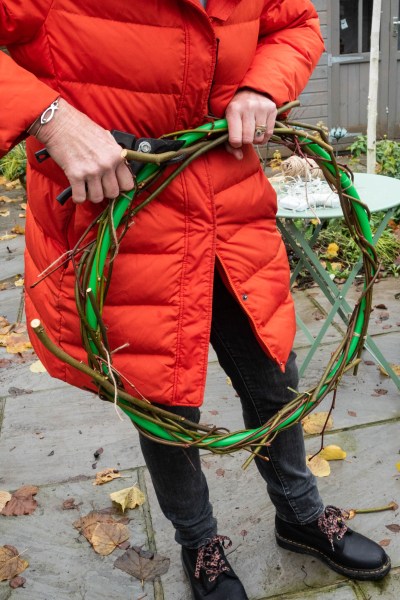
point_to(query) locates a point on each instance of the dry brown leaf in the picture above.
(142, 564)
(4, 498)
(332, 452)
(393, 527)
(69, 504)
(10, 563)
(18, 342)
(23, 205)
(4, 212)
(107, 536)
(37, 367)
(315, 422)
(87, 524)
(18, 230)
(396, 369)
(17, 582)
(7, 236)
(384, 542)
(106, 475)
(3, 180)
(22, 502)
(7, 200)
(128, 497)
(13, 185)
(318, 466)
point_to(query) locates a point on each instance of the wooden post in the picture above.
(373, 86)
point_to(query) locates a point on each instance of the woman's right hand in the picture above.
(87, 153)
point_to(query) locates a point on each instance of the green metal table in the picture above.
(379, 193)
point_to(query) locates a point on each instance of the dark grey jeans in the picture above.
(179, 482)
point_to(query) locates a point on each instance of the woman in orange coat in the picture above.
(207, 259)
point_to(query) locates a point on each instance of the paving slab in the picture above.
(62, 564)
(339, 592)
(54, 433)
(387, 589)
(11, 257)
(245, 513)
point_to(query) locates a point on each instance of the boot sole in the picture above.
(363, 575)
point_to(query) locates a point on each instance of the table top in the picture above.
(378, 192)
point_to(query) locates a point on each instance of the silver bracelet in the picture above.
(46, 116)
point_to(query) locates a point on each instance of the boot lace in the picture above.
(210, 557)
(332, 523)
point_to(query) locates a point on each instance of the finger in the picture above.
(78, 191)
(124, 177)
(95, 190)
(236, 152)
(249, 124)
(110, 184)
(271, 120)
(234, 120)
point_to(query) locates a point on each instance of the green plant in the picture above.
(13, 164)
(387, 154)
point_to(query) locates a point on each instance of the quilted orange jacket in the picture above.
(151, 67)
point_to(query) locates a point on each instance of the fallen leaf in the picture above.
(318, 466)
(22, 502)
(17, 582)
(23, 205)
(379, 392)
(69, 504)
(4, 498)
(106, 475)
(22, 215)
(243, 533)
(315, 422)
(37, 367)
(4, 213)
(98, 452)
(352, 413)
(14, 391)
(384, 542)
(332, 452)
(394, 527)
(87, 524)
(10, 563)
(229, 381)
(370, 363)
(7, 236)
(6, 199)
(13, 185)
(107, 536)
(19, 282)
(220, 472)
(128, 497)
(142, 564)
(381, 306)
(18, 230)
(396, 369)
(398, 466)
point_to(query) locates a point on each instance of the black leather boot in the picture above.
(209, 572)
(329, 539)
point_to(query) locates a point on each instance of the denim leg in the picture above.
(181, 486)
(263, 389)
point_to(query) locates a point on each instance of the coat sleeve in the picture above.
(23, 96)
(290, 45)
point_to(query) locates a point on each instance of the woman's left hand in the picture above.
(251, 120)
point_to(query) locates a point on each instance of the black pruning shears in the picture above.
(127, 141)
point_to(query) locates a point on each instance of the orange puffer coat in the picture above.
(151, 67)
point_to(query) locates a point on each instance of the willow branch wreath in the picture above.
(94, 261)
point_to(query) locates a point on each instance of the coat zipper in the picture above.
(213, 76)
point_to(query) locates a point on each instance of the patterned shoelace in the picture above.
(332, 523)
(211, 559)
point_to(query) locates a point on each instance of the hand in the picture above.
(88, 155)
(246, 110)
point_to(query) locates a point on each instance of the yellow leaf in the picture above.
(18, 342)
(332, 251)
(19, 282)
(10, 563)
(18, 230)
(106, 475)
(4, 213)
(128, 498)
(4, 498)
(318, 466)
(107, 536)
(332, 453)
(37, 367)
(7, 236)
(314, 423)
(23, 205)
(396, 369)
(398, 466)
